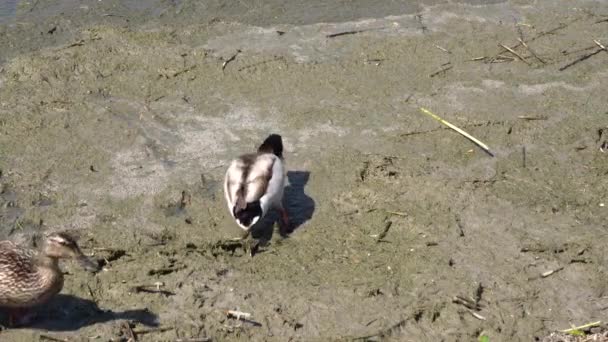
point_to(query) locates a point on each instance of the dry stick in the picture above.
(467, 135)
(502, 59)
(532, 118)
(230, 59)
(531, 51)
(333, 35)
(515, 53)
(344, 33)
(238, 314)
(154, 330)
(566, 52)
(476, 315)
(442, 49)
(542, 34)
(580, 59)
(469, 304)
(585, 326)
(398, 213)
(441, 71)
(548, 273)
(51, 338)
(382, 234)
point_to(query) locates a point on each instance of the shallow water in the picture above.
(259, 13)
(7, 10)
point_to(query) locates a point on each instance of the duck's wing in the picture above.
(252, 178)
(273, 193)
(16, 264)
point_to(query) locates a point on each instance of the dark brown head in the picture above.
(273, 144)
(63, 246)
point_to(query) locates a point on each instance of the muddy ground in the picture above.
(106, 119)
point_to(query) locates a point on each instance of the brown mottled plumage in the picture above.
(29, 277)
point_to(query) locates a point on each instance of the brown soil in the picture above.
(104, 127)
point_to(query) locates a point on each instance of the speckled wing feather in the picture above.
(17, 271)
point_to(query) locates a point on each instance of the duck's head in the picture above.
(63, 246)
(248, 215)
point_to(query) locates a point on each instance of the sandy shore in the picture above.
(106, 125)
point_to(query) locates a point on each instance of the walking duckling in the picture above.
(254, 184)
(32, 277)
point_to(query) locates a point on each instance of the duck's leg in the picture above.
(19, 316)
(285, 227)
(247, 243)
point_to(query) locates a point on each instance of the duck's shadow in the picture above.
(69, 313)
(299, 206)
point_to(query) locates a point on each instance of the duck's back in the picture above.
(22, 282)
(249, 176)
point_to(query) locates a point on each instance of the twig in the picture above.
(190, 68)
(197, 339)
(531, 51)
(34, 6)
(523, 156)
(466, 302)
(599, 44)
(344, 33)
(440, 71)
(544, 33)
(382, 234)
(531, 118)
(501, 59)
(585, 326)
(476, 315)
(548, 273)
(515, 53)
(442, 49)
(242, 316)
(78, 43)
(92, 294)
(582, 58)
(396, 213)
(154, 330)
(333, 35)
(233, 57)
(155, 288)
(51, 338)
(238, 314)
(467, 135)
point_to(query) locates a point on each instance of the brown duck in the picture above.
(31, 277)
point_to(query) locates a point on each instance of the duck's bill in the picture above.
(87, 263)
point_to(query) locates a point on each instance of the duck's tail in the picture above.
(273, 144)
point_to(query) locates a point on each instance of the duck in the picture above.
(31, 277)
(254, 185)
